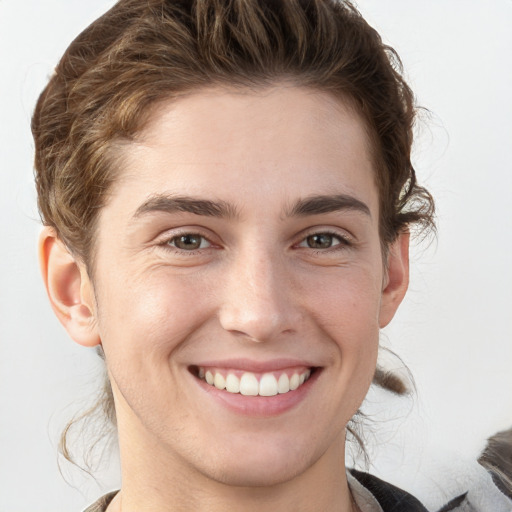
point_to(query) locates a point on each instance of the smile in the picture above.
(255, 384)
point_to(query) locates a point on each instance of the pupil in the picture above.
(188, 242)
(321, 241)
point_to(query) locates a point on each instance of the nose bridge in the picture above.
(257, 299)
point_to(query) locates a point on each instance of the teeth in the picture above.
(219, 381)
(294, 381)
(248, 383)
(268, 385)
(232, 383)
(283, 384)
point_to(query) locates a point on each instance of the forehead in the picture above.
(236, 143)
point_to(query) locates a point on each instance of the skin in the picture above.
(255, 288)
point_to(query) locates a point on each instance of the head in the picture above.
(145, 75)
(139, 54)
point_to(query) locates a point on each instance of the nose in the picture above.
(259, 302)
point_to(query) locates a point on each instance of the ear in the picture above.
(69, 289)
(396, 279)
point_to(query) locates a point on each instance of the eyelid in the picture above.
(346, 239)
(337, 240)
(171, 243)
(164, 239)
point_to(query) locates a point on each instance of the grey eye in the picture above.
(189, 242)
(321, 241)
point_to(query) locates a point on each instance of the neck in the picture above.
(158, 481)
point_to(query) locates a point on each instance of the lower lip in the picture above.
(262, 406)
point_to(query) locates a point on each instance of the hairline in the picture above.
(340, 97)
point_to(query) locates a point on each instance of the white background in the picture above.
(453, 330)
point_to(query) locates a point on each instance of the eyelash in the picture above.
(168, 243)
(343, 243)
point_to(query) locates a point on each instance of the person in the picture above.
(228, 196)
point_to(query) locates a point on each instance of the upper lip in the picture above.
(250, 365)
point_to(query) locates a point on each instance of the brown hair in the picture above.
(142, 52)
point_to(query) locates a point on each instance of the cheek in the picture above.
(147, 318)
(347, 303)
(347, 310)
(144, 324)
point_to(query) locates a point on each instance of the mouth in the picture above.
(254, 384)
(257, 389)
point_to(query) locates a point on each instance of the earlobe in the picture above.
(69, 289)
(397, 278)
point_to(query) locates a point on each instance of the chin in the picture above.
(264, 464)
(257, 474)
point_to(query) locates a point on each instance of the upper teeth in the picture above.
(249, 385)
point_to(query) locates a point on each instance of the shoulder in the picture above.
(102, 504)
(375, 495)
(386, 496)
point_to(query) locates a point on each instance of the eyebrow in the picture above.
(315, 205)
(172, 204)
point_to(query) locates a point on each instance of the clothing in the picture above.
(102, 504)
(375, 495)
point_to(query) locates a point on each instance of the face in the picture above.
(240, 249)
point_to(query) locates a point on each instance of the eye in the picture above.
(322, 241)
(189, 242)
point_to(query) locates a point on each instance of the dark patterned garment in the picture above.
(375, 495)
